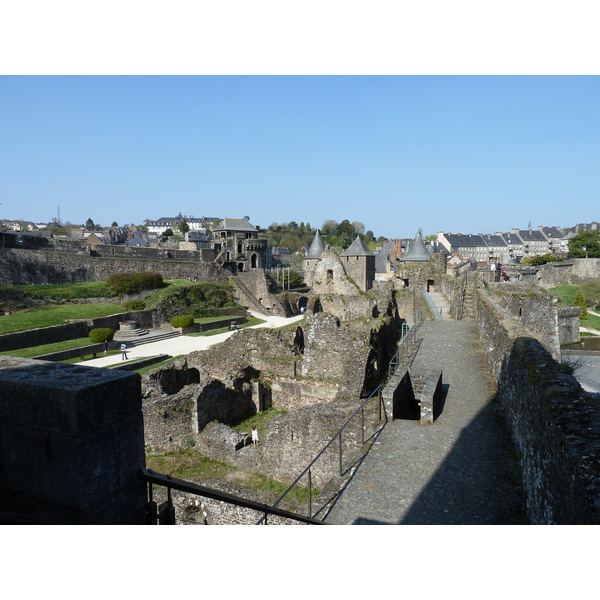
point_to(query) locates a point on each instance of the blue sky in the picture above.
(464, 154)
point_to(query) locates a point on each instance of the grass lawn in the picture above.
(592, 321)
(48, 348)
(44, 316)
(565, 293)
(191, 464)
(566, 296)
(66, 291)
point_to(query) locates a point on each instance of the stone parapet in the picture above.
(71, 443)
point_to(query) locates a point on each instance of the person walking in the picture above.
(255, 439)
(105, 346)
(123, 352)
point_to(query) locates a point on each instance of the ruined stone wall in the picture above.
(345, 363)
(539, 313)
(22, 267)
(552, 274)
(453, 290)
(568, 324)
(168, 425)
(349, 354)
(258, 286)
(419, 273)
(555, 426)
(531, 307)
(155, 254)
(191, 509)
(291, 442)
(330, 277)
(498, 327)
(361, 269)
(550, 417)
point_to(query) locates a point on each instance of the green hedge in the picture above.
(131, 283)
(101, 334)
(182, 321)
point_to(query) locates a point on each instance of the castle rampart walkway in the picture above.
(461, 469)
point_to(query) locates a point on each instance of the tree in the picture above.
(580, 301)
(588, 239)
(114, 224)
(359, 228)
(541, 259)
(591, 291)
(184, 227)
(168, 232)
(89, 224)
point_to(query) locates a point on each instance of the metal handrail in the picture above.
(409, 330)
(153, 478)
(172, 483)
(337, 436)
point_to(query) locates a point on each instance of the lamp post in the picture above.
(585, 250)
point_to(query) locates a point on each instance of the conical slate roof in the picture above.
(316, 248)
(417, 251)
(357, 248)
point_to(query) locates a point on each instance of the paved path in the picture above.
(185, 344)
(458, 470)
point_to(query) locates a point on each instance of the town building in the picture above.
(195, 224)
(238, 246)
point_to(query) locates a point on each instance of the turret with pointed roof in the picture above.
(317, 247)
(417, 251)
(359, 263)
(312, 258)
(357, 248)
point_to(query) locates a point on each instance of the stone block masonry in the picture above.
(556, 427)
(71, 443)
(555, 424)
(23, 267)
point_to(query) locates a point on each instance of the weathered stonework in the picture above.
(320, 389)
(18, 267)
(71, 443)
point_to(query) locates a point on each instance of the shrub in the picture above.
(580, 301)
(134, 305)
(101, 334)
(182, 321)
(131, 283)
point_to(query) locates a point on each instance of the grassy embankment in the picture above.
(58, 314)
(566, 296)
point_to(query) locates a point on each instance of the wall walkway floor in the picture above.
(461, 469)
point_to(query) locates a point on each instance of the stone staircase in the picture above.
(142, 336)
(249, 297)
(468, 311)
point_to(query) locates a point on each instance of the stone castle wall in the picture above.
(552, 274)
(550, 417)
(23, 267)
